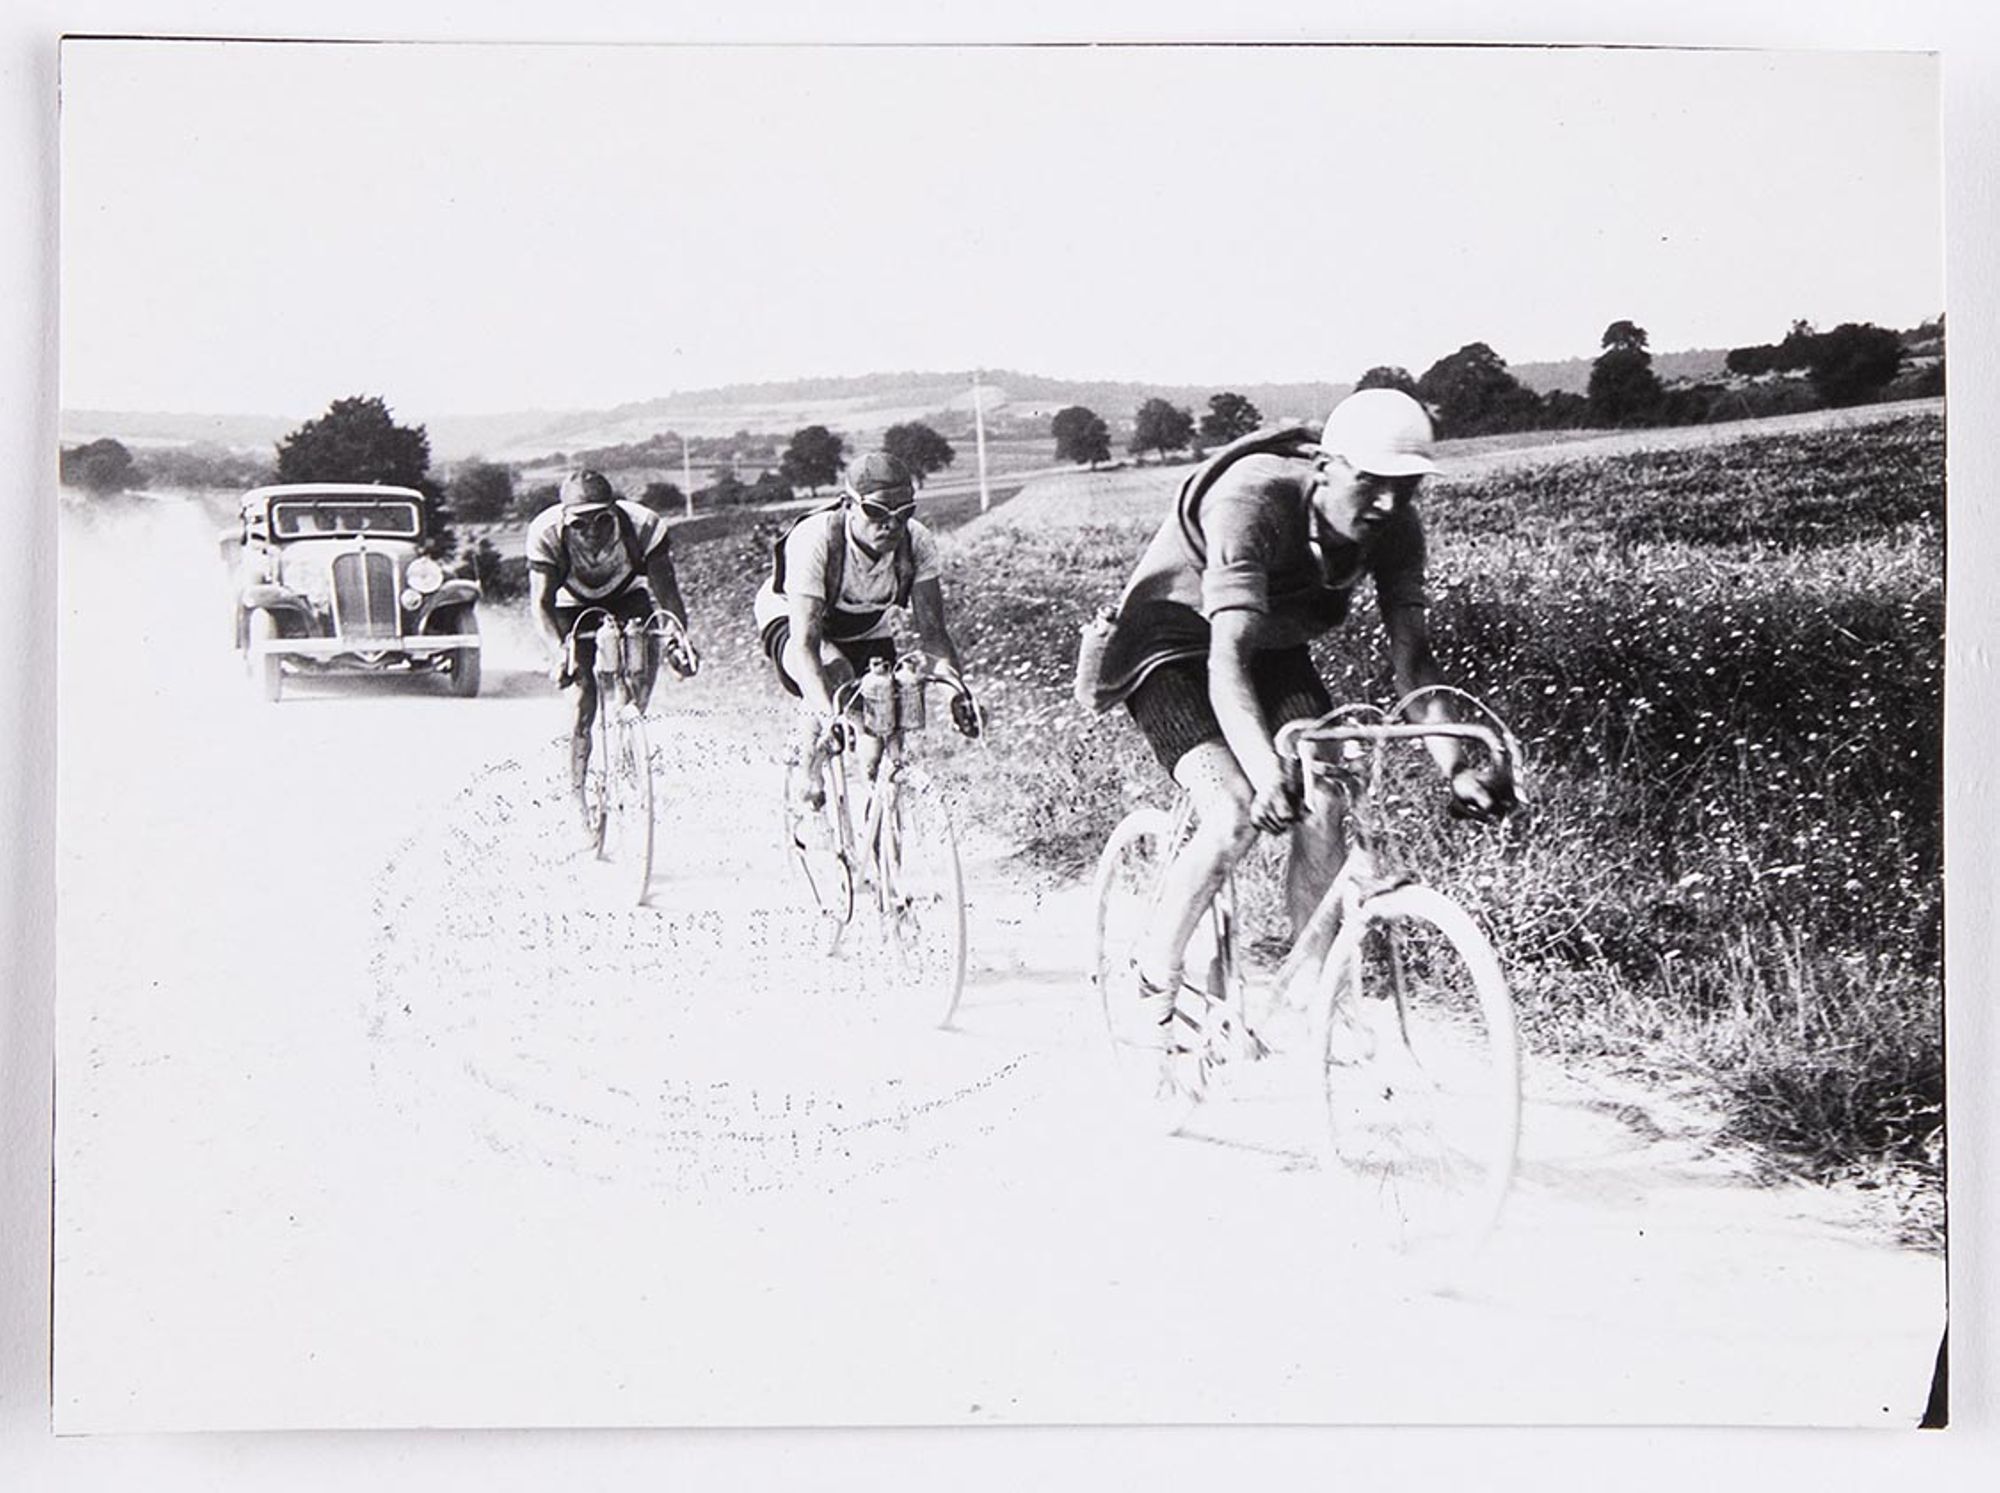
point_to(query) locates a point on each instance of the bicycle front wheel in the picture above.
(627, 839)
(1421, 1064)
(923, 896)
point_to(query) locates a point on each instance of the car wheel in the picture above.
(267, 670)
(465, 662)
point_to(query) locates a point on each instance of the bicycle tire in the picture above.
(626, 840)
(815, 850)
(1420, 1069)
(595, 789)
(266, 669)
(1124, 891)
(922, 896)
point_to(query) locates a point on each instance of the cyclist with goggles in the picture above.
(838, 577)
(593, 549)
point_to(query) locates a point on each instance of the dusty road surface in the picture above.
(374, 1108)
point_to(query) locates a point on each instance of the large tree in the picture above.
(1387, 376)
(100, 467)
(1162, 427)
(357, 440)
(813, 459)
(1851, 363)
(1472, 393)
(1623, 388)
(663, 497)
(480, 492)
(919, 448)
(1229, 415)
(1081, 435)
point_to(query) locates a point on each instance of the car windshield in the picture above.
(307, 518)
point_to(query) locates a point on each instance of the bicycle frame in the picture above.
(885, 776)
(1328, 779)
(1322, 751)
(623, 669)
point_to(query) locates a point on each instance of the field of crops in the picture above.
(1727, 664)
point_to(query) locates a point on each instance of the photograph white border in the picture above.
(1970, 40)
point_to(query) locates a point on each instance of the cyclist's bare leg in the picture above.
(1223, 832)
(579, 740)
(1318, 846)
(810, 748)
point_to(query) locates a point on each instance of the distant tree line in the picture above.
(1472, 391)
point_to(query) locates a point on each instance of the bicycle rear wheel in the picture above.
(1421, 1065)
(627, 837)
(923, 896)
(1124, 892)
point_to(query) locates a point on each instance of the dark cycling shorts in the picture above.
(1171, 706)
(857, 653)
(634, 603)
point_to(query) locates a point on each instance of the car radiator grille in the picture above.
(364, 597)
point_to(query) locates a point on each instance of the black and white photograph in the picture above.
(934, 735)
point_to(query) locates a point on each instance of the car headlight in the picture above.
(424, 576)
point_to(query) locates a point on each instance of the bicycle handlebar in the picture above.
(847, 700)
(1296, 739)
(663, 626)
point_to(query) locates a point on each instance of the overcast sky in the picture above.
(260, 228)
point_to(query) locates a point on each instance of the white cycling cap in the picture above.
(1380, 431)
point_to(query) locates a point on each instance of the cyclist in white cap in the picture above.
(594, 549)
(1208, 650)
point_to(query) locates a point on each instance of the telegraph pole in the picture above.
(687, 477)
(979, 439)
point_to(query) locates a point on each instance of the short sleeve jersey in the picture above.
(1263, 551)
(867, 582)
(595, 573)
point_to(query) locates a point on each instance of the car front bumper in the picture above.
(414, 647)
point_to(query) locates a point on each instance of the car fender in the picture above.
(451, 596)
(267, 597)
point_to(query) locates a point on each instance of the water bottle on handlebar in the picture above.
(608, 647)
(878, 698)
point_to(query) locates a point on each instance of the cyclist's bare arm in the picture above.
(542, 609)
(802, 653)
(1415, 667)
(1233, 637)
(927, 611)
(666, 584)
(1483, 791)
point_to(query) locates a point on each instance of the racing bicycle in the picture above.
(881, 833)
(1412, 1027)
(617, 787)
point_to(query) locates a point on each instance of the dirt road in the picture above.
(374, 1110)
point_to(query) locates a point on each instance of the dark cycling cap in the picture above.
(879, 472)
(584, 488)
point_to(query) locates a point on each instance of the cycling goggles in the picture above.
(882, 514)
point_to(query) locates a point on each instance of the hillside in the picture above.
(1572, 375)
(858, 407)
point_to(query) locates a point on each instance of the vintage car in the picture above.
(332, 576)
